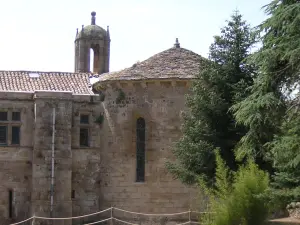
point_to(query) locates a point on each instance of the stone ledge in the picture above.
(284, 221)
(148, 83)
(16, 95)
(40, 94)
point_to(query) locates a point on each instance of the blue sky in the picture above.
(39, 35)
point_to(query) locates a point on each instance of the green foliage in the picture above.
(237, 197)
(102, 96)
(208, 124)
(100, 119)
(263, 110)
(272, 132)
(121, 96)
(194, 153)
(285, 153)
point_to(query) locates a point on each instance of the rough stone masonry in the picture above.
(111, 135)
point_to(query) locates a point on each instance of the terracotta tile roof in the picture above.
(78, 83)
(172, 63)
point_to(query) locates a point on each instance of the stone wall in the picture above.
(160, 104)
(88, 179)
(86, 161)
(15, 161)
(76, 183)
(44, 102)
(26, 168)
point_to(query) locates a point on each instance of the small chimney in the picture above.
(93, 18)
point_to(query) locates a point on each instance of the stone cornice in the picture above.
(103, 85)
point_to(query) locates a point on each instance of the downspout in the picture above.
(52, 163)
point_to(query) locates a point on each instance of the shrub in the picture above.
(236, 198)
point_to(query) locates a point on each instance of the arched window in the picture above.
(140, 149)
(95, 62)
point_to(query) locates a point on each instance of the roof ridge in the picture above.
(24, 80)
(37, 71)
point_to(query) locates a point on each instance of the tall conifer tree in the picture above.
(271, 111)
(208, 124)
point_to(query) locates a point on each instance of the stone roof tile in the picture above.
(175, 62)
(78, 83)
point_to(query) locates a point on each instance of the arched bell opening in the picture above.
(95, 58)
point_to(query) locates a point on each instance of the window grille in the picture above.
(15, 135)
(3, 135)
(3, 116)
(84, 137)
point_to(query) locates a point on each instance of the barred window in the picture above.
(84, 132)
(16, 116)
(84, 119)
(84, 137)
(73, 194)
(3, 116)
(15, 135)
(3, 135)
(140, 149)
(10, 127)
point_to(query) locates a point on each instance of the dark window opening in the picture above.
(15, 138)
(73, 194)
(16, 116)
(84, 119)
(10, 204)
(140, 150)
(3, 135)
(3, 116)
(84, 137)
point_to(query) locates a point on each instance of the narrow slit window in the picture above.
(10, 204)
(3, 135)
(140, 149)
(3, 116)
(84, 137)
(16, 116)
(15, 135)
(73, 194)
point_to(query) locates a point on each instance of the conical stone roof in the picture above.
(173, 63)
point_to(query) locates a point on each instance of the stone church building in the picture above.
(76, 143)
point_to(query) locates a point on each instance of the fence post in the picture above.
(111, 215)
(33, 221)
(190, 221)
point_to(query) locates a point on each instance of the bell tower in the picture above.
(96, 38)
